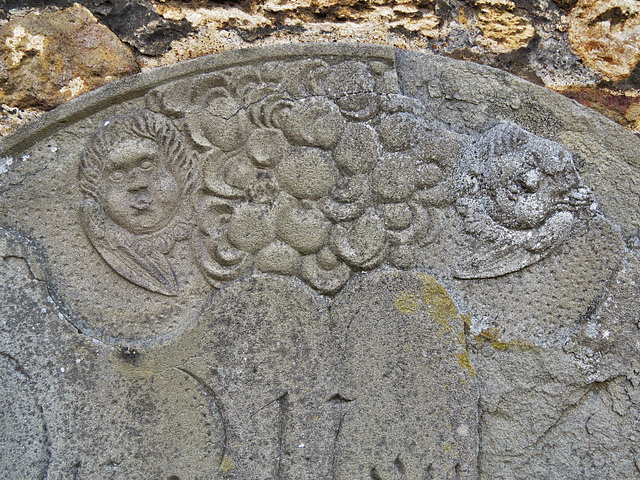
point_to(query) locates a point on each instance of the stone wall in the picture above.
(56, 50)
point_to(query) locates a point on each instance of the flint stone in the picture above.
(320, 262)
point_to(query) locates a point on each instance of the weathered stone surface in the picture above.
(24, 435)
(50, 57)
(320, 262)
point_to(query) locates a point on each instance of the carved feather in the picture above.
(493, 261)
(150, 270)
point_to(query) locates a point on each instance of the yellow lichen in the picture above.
(465, 362)
(438, 303)
(433, 300)
(490, 333)
(448, 448)
(408, 302)
(495, 337)
(516, 343)
(226, 464)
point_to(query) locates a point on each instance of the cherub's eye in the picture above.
(146, 165)
(116, 176)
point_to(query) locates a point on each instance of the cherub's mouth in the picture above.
(513, 192)
(141, 204)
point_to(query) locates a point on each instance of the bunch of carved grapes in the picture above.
(339, 179)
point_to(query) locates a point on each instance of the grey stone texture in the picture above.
(320, 261)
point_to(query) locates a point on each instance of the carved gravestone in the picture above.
(320, 262)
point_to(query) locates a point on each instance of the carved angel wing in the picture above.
(150, 270)
(504, 251)
(493, 261)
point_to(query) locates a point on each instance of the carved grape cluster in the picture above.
(317, 170)
(314, 172)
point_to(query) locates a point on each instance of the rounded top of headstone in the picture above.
(314, 162)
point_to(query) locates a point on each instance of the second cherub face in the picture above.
(138, 192)
(527, 186)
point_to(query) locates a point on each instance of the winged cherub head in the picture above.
(137, 170)
(526, 179)
(136, 174)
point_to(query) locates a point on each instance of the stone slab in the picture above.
(320, 261)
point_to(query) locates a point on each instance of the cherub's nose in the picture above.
(531, 180)
(137, 180)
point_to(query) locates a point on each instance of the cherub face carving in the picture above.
(523, 180)
(137, 191)
(520, 196)
(524, 193)
(138, 178)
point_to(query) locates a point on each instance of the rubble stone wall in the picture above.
(57, 49)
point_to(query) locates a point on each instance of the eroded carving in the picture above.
(316, 170)
(405, 361)
(520, 197)
(271, 379)
(306, 188)
(137, 176)
(336, 175)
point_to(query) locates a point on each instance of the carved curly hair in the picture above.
(138, 124)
